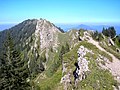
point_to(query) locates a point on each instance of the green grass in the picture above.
(111, 50)
(97, 79)
(67, 37)
(63, 38)
(82, 32)
(52, 64)
(50, 83)
(117, 43)
(95, 49)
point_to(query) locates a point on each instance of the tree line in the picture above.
(13, 69)
(109, 32)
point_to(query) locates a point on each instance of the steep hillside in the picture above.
(39, 41)
(65, 61)
(19, 32)
(86, 67)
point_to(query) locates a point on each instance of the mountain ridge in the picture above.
(67, 27)
(52, 57)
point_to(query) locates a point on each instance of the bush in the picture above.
(97, 36)
(109, 32)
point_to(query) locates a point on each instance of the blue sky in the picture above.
(61, 11)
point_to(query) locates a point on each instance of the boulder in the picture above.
(81, 65)
(110, 42)
(118, 50)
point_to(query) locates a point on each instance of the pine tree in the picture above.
(13, 69)
(105, 32)
(110, 32)
(62, 50)
(95, 35)
(67, 49)
(6, 71)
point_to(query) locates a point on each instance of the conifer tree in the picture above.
(67, 49)
(62, 50)
(110, 32)
(14, 72)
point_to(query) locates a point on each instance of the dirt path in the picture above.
(114, 67)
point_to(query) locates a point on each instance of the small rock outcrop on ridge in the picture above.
(81, 65)
(81, 69)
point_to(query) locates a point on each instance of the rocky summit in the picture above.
(44, 57)
(46, 34)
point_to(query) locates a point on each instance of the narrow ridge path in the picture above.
(113, 67)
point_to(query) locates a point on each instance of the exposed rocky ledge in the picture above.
(46, 34)
(81, 68)
(82, 65)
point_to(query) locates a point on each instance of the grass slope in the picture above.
(97, 79)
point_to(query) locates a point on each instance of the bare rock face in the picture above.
(79, 73)
(66, 80)
(110, 42)
(118, 50)
(81, 65)
(86, 36)
(46, 34)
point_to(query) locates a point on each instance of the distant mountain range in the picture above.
(67, 27)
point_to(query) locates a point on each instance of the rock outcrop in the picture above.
(118, 50)
(81, 65)
(86, 36)
(46, 34)
(66, 80)
(79, 73)
(110, 42)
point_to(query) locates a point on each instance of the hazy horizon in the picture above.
(69, 26)
(61, 11)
